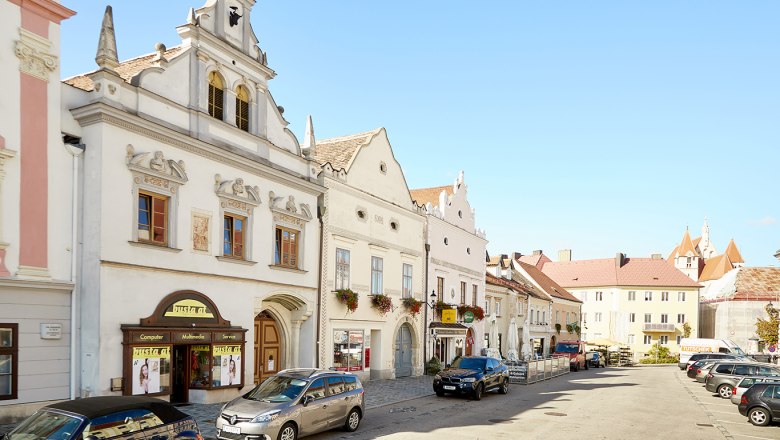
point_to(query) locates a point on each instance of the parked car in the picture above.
(575, 351)
(703, 371)
(695, 368)
(692, 346)
(724, 375)
(745, 383)
(473, 376)
(761, 403)
(715, 356)
(595, 359)
(115, 417)
(294, 403)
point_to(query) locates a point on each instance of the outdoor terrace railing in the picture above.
(531, 371)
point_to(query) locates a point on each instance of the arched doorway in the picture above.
(268, 347)
(469, 342)
(403, 351)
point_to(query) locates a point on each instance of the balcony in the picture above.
(659, 328)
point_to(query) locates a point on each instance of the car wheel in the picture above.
(288, 432)
(353, 420)
(440, 393)
(759, 417)
(504, 388)
(725, 391)
(478, 392)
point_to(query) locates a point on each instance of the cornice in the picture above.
(471, 272)
(363, 195)
(35, 284)
(48, 9)
(372, 241)
(100, 112)
(430, 216)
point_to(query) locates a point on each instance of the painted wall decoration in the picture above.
(200, 232)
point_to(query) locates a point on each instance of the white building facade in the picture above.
(200, 255)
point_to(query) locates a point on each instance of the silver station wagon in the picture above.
(294, 403)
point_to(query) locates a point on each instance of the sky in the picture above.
(600, 127)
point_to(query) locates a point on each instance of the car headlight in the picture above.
(437, 377)
(266, 417)
(469, 379)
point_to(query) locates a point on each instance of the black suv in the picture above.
(761, 403)
(472, 375)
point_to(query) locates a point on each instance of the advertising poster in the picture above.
(228, 358)
(147, 365)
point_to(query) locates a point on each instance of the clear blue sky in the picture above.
(600, 127)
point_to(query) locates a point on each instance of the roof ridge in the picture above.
(347, 137)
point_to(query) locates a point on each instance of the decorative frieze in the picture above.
(234, 194)
(295, 213)
(34, 57)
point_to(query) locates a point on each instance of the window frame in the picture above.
(599, 296)
(245, 222)
(463, 288)
(474, 295)
(681, 295)
(12, 351)
(681, 318)
(343, 281)
(647, 340)
(497, 307)
(663, 340)
(648, 318)
(648, 296)
(152, 197)
(242, 108)
(632, 295)
(664, 318)
(440, 288)
(665, 296)
(379, 272)
(212, 96)
(407, 280)
(279, 255)
(632, 317)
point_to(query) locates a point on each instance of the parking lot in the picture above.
(725, 415)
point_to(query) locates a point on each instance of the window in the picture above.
(316, 389)
(487, 306)
(286, 247)
(537, 317)
(407, 281)
(216, 96)
(648, 296)
(376, 275)
(679, 339)
(242, 108)
(598, 317)
(152, 218)
(632, 317)
(473, 294)
(584, 318)
(117, 423)
(664, 318)
(234, 236)
(498, 308)
(648, 340)
(584, 296)
(648, 318)
(558, 317)
(681, 318)
(664, 340)
(664, 296)
(342, 269)
(631, 339)
(463, 292)
(335, 386)
(632, 295)
(688, 263)
(440, 288)
(681, 296)
(544, 317)
(348, 351)
(350, 383)
(599, 296)
(9, 357)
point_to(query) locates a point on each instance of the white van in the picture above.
(689, 346)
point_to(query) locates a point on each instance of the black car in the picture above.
(115, 417)
(472, 375)
(761, 403)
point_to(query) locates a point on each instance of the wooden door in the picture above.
(268, 347)
(403, 352)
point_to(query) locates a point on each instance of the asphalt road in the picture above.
(614, 403)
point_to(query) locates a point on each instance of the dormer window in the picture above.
(216, 95)
(242, 108)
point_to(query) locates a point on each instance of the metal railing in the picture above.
(531, 371)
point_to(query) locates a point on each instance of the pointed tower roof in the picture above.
(106, 57)
(715, 268)
(733, 253)
(686, 246)
(308, 138)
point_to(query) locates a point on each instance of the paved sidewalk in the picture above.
(378, 393)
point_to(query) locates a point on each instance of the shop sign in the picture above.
(228, 337)
(189, 337)
(148, 363)
(51, 331)
(188, 308)
(468, 317)
(449, 316)
(150, 337)
(450, 332)
(518, 371)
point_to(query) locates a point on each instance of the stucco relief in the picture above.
(235, 194)
(200, 232)
(154, 169)
(33, 53)
(290, 209)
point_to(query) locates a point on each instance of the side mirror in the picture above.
(306, 400)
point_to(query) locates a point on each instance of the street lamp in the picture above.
(432, 305)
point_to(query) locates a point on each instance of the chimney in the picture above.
(656, 256)
(537, 252)
(564, 255)
(620, 260)
(516, 255)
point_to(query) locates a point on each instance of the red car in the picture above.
(575, 351)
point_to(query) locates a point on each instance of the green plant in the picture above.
(686, 330)
(659, 354)
(441, 305)
(479, 313)
(349, 298)
(766, 329)
(434, 365)
(558, 328)
(382, 303)
(573, 328)
(412, 305)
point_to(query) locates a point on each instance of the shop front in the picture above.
(184, 350)
(449, 340)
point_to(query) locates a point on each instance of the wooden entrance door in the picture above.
(268, 347)
(469, 342)
(403, 352)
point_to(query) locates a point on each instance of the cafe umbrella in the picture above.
(511, 353)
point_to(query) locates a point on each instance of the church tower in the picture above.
(687, 259)
(705, 247)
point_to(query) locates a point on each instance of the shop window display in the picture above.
(348, 350)
(151, 370)
(227, 365)
(200, 366)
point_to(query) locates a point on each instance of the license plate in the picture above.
(449, 387)
(231, 429)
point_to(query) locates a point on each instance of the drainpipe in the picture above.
(76, 149)
(425, 318)
(320, 214)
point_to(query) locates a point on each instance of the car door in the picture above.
(314, 416)
(337, 401)
(493, 375)
(773, 400)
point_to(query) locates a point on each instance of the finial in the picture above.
(106, 57)
(191, 18)
(160, 57)
(308, 137)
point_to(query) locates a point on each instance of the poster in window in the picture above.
(147, 368)
(228, 358)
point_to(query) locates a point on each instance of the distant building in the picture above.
(698, 259)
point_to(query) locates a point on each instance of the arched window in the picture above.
(242, 108)
(216, 92)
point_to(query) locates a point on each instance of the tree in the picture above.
(659, 354)
(767, 328)
(686, 330)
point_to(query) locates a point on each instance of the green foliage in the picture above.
(687, 330)
(766, 329)
(434, 365)
(659, 354)
(558, 328)
(573, 328)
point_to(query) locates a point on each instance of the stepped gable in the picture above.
(126, 69)
(430, 195)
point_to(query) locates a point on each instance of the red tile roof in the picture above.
(126, 69)
(733, 252)
(758, 284)
(537, 260)
(716, 267)
(425, 195)
(340, 151)
(547, 284)
(686, 246)
(604, 272)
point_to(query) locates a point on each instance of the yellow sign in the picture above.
(225, 350)
(151, 352)
(201, 348)
(189, 308)
(449, 316)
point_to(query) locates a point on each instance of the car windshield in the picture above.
(46, 425)
(567, 348)
(470, 364)
(277, 389)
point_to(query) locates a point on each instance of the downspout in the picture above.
(76, 149)
(320, 214)
(425, 319)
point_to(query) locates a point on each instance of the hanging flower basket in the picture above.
(412, 305)
(382, 303)
(441, 305)
(558, 328)
(479, 313)
(349, 298)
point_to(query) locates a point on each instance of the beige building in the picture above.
(636, 302)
